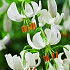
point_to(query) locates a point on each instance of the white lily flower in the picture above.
(4, 7)
(65, 11)
(59, 27)
(53, 35)
(52, 7)
(7, 24)
(14, 15)
(37, 41)
(66, 24)
(16, 63)
(45, 17)
(59, 62)
(4, 41)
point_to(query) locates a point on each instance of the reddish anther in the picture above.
(34, 25)
(56, 54)
(27, 28)
(53, 55)
(24, 29)
(44, 58)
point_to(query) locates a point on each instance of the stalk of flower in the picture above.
(30, 58)
(4, 41)
(26, 14)
(4, 7)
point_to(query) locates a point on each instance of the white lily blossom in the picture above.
(52, 7)
(66, 24)
(4, 41)
(4, 7)
(16, 62)
(65, 11)
(14, 15)
(53, 35)
(7, 24)
(45, 17)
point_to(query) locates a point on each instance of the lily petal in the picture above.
(52, 7)
(9, 60)
(5, 39)
(17, 63)
(58, 18)
(28, 9)
(48, 34)
(38, 41)
(13, 13)
(30, 61)
(67, 53)
(4, 7)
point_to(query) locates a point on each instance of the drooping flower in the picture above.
(14, 15)
(16, 62)
(45, 17)
(4, 7)
(4, 41)
(53, 37)
(7, 24)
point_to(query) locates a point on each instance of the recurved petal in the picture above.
(5, 39)
(17, 63)
(58, 18)
(48, 35)
(28, 10)
(4, 7)
(52, 7)
(9, 60)
(38, 41)
(13, 13)
(67, 53)
(30, 42)
(30, 60)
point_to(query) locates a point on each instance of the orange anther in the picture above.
(34, 25)
(49, 58)
(44, 58)
(56, 54)
(24, 29)
(31, 26)
(53, 55)
(27, 28)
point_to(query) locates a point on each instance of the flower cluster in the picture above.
(40, 50)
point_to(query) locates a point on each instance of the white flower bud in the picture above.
(7, 24)
(52, 7)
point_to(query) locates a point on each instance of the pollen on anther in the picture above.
(53, 55)
(56, 54)
(23, 29)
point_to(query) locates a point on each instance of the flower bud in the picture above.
(52, 7)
